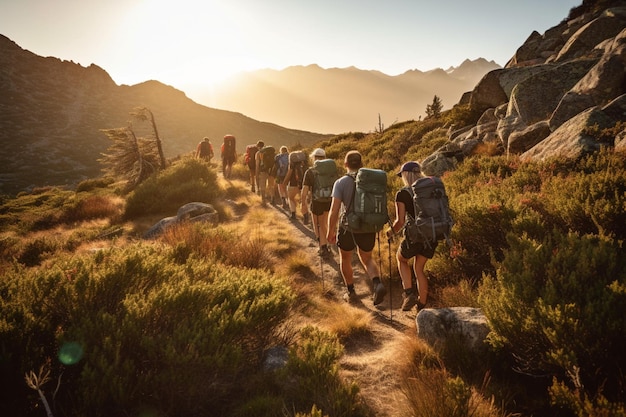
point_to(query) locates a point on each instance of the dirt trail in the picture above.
(372, 360)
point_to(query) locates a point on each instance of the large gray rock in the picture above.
(522, 140)
(469, 324)
(606, 26)
(191, 212)
(570, 140)
(605, 81)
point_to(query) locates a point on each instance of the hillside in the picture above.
(339, 100)
(51, 113)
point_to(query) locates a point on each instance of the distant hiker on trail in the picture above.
(343, 193)
(405, 211)
(282, 166)
(293, 178)
(204, 150)
(319, 198)
(250, 160)
(229, 155)
(264, 164)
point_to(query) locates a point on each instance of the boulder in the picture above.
(522, 140)
(605, 26)
(468, 324)
(437, 164)
(535, 98)
(605, 81)
(191, 212)
(571, 139)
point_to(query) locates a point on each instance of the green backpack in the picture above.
(367, 211)
(325, 175)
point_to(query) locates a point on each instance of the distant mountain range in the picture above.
(339, 100)
(52, 111)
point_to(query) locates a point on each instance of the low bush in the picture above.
(131, 327)
(186, 181)
(556, 305)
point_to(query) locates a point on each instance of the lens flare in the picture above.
(70, 353)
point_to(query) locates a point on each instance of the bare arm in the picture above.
(333, 219)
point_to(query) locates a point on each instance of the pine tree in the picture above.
(434, 110)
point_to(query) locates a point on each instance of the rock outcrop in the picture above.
(190, 212)
(464, 324)
(553, 97)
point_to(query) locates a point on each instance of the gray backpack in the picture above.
(433, 221)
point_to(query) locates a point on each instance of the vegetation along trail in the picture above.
(375, 338)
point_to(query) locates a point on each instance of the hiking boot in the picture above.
(293, 215)
(285, 204)
(409, 301)
(420, 306)
(252, 189)
(323, 250)
(305, 218)
(379, 293)
(350, 297)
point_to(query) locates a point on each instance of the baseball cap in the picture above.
(319, 152)
(410, 166)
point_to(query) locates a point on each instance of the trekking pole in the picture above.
(389, 239)
(319, 247)
(390, 285)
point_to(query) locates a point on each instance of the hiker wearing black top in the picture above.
(347, 241)
(319, 209)
(405, 209)
(293, 179)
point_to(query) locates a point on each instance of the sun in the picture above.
(179, 44)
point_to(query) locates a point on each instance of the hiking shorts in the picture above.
(318, 208)
(409, 250)
(348, 241)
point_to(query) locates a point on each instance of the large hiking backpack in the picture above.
(206, 149)
(298, 163)
(248, 158)
(230, 146)
(367, 211)
(433, 221)
(325, 175)
(281, 164)
(266, 163)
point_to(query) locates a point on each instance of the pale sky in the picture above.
(191, 43)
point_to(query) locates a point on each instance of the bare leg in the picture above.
(422, 280)
(405, 271)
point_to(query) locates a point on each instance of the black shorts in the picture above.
(318, 208)
(409, 250)
(348, 241)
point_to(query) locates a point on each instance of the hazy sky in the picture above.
(194, 42)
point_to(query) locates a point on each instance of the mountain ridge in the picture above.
(52, 112)
(340, 100)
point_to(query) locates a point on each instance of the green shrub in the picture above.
(144, 330)
(557, 306)
(186, 181)
(313, 376)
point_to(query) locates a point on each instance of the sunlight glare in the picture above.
(207, 43)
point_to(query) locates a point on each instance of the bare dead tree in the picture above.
(144, 114)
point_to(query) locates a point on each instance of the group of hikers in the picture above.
(344, 213)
